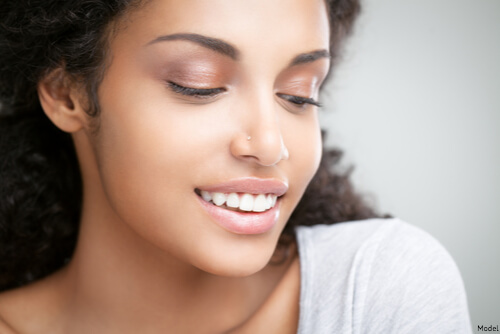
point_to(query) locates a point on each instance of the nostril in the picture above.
(264, 146)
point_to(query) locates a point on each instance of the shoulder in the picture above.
(5, 328)
(5, 301)
(361, 231)
(34, 308)
(388, 274)
(376, 241)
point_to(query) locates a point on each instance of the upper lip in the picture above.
(251, 185)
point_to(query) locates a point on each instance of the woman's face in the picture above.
(212, 97)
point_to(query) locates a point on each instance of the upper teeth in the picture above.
(245, 201)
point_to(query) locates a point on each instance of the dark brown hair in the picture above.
(40, 181)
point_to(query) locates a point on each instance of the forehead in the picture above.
(265, 28)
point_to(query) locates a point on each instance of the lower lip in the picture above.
(243, 222)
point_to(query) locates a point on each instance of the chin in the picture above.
(240, 262)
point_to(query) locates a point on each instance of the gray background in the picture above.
(415, 104)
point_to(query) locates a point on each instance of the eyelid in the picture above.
(195, 92)
(210, 92)
(298, 100)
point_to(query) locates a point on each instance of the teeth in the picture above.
(269, 200)
(244, 202)
(218, 198)
(233, 200)
(260, 203)
(206, 196)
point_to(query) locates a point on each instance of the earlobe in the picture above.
(60, 100)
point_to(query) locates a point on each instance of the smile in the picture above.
(243, 206)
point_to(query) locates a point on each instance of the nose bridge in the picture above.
(264, 130)
(264, 121)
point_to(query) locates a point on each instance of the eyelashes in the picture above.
(298, 101)
(196, 92)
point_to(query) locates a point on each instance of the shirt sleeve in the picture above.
(407, 283)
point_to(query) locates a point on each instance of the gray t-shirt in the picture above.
(378, 276)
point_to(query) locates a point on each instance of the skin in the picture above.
(149, 258)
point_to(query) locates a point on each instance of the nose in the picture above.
(260, 139)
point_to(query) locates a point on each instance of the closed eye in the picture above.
(299, 100)
(210, 92)
(196, 92)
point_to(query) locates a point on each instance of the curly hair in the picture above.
(41, 186)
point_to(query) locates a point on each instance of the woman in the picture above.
(195, 129)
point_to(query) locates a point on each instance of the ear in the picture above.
(60, 98)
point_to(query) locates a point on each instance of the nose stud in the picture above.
(249, 137)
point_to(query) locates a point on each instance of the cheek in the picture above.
(131, 157)
(151, 155)
(148, 167)
(146, 146)
(145, 159)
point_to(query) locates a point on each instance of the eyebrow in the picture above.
(232, 52)
(309, 57)
(211, 43)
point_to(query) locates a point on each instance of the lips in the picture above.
(243, 219)
(249, 185)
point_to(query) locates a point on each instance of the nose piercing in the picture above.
(249, 137)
